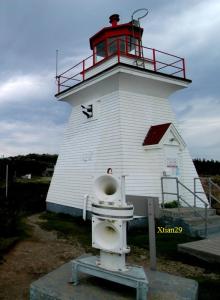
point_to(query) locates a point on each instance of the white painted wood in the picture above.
(126, 103)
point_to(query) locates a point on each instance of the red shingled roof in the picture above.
(155, 134)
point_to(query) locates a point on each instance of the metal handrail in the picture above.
(210, 185)
(191, 192)
(179, 197)
(196, 212)
(178, 65)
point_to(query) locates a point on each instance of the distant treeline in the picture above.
(207, 167)
(34, 164)
(23, 196)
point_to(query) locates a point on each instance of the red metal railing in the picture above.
(149, 58)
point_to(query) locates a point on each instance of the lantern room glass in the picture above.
(110, 46)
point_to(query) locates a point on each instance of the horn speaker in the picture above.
(107, 188)
(110, 214)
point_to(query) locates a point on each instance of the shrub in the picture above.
(171, 204)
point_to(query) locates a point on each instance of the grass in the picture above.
(36, 180)
(6, 244)
(22, 232)
(77, 230)
(208, 288)
(166, 243)
(68, 227)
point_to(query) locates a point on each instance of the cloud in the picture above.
(200, 125)
(188, 29)
(23, 88)
(30, 118)
(22, 138)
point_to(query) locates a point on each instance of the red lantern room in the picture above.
(125, 38)
(120, 44)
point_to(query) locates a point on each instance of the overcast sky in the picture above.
(33, 121)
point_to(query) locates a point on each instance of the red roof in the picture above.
(155, 134)
(116, 30)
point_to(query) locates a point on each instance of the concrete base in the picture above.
(133, 276)
(57, 285)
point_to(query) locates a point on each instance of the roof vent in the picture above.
(114, 19)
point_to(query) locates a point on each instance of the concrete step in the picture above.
(185, 212)
(198, 220)
(199, 230)
(192, 223)
(207, 249)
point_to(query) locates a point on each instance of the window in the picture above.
(100, 49)
(113, 44)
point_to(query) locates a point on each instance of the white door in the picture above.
(172, 164)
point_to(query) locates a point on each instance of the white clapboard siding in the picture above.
(74, 175)
(125, 106)
(145, 168)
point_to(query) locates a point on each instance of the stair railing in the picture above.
(179, 197)
(211, 186)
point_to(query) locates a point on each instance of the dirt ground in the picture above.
(44, 251)
(32, 258)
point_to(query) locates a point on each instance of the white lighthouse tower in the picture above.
(122, 119)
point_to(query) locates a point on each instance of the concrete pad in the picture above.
(207, 249)
(57, 286)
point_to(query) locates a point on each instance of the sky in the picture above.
(33, 121)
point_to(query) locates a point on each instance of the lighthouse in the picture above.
(122, 120)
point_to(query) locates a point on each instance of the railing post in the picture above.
(178, 193)
(206, 219)
(194, 192)
(83, 72)
(118, 50)
(140, 50)
(184, 68)
(126, 45)
(154, 60)
(210, 191)
(162, 191)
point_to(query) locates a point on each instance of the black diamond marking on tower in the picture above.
(88, 111)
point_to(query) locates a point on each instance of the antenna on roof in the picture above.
(136, 22)
(57, 62)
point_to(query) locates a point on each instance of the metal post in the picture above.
(178, 193)
(6, 182)
(58, 83)
(154, 60)
(56, 63)
(162, 192)
(210, 191)
(118, 50)
(194, 192)
(184, 68)
(126, 45)
(83, 73)
(152, 241)
(206, 219)
(123, 197)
